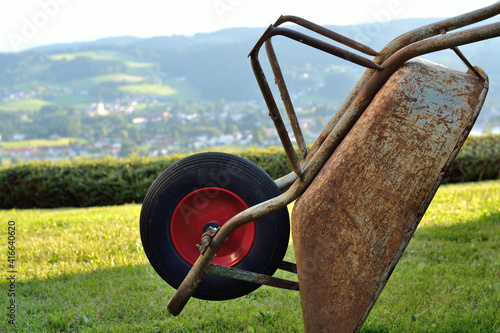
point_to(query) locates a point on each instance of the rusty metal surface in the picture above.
(253, 277)
(361, 208)
(424, 207)
(206, 238)
(355, 104)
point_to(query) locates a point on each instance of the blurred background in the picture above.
(152, 78)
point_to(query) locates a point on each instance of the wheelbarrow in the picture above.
(216, 226)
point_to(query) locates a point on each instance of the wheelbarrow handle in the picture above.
(191, 282)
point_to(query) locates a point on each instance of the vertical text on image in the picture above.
(11, 271)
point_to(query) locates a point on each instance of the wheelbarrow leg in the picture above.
(352, 224)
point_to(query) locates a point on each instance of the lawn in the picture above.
(84, 270)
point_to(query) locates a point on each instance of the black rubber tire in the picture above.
(230, 172)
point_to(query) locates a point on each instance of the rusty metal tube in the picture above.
(325, 47)
(285, 97)
(466, 62)
(434, 29)
(315, 43)
(267, 94)
(275, 115)
(327, 33)
(253, 277)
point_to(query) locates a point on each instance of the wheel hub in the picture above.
(212, 224)
(217, 205)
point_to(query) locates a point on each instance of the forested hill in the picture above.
(204, 68)
(208, 66)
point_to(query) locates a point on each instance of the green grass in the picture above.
(30, 104)
(175, 90)
(449, 277)
(148, 89)
(96, 55)
(39, 143)
(117, 77)
(84, 270)
(5, 161)
(76, 100)
(135, 64)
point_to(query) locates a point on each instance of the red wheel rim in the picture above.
(210, 204)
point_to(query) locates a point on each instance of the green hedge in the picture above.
(111, 181)
(479, 159)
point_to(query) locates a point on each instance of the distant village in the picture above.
(251, 126)
(260, 133)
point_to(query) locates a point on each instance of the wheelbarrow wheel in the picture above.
(205, 190)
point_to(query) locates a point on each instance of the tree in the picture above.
(258, 134)
(74, 128)
(128, 147)
(124, 135)
(231, 129)
(134, 134)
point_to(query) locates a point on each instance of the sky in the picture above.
(29, 23)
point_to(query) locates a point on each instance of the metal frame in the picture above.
(423, 40)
